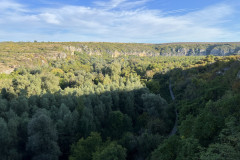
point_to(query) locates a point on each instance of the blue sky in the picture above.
(141, 21)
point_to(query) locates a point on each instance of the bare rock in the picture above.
(222, 52)
(202, 52)
(182, 51)
(72, 49)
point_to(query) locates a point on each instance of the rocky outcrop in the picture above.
(195, 49)
(182, 51)
(200, 52)
(221, 52)
(72, 49)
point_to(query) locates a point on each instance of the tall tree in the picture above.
(42, 140)
(112, 151)
(118, 124)
(4, 139)
(84, 148)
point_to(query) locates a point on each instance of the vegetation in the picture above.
(207, 100)
(32, 54)
(90, 107)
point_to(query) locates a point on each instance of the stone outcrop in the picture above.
(200, 52)
(72, 49)
(221, 52)
(155, 50)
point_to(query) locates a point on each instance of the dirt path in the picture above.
(174, 129)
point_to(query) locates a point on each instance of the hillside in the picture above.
(207, 103)
(59, 101)
(13, 55)
(117, 49)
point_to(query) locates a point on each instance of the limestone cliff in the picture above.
(172, 49)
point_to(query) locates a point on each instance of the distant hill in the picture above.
(31, 53)
(117, 49)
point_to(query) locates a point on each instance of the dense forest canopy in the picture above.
(99, 107)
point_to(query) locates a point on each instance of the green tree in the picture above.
(220, 152)
(112, 151)
(42, 140)
(147, 143)
(167, 150)
(189, 149)
(207, 127)
(3, 106)
(84, 148)
(4, 139)
(87, 119)
(118, 124)
(50, 83)
(155, 105)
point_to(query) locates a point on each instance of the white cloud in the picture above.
(11, 5)
(50, 18)
(122, 4)
(211, 15)
(110, 5)
(79, 23)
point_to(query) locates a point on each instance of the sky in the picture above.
(130, 21)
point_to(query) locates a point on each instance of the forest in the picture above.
(99, 107)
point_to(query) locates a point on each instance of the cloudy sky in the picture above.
(142, 21)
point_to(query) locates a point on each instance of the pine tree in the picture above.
(4, 139)
(42, 137)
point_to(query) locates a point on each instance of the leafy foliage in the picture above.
(76, 106)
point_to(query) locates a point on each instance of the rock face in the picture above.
(196, 52)
(200, 52)
(182, 51)
(72, 49)
(115, 49)
(221, 52)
